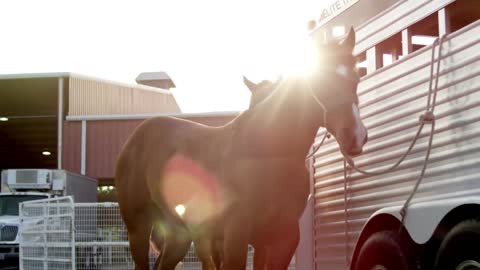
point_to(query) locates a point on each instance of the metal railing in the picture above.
(60, 234)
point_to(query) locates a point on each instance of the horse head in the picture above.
(333, 86)
(326, 97)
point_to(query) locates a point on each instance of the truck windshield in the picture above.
(9, 204)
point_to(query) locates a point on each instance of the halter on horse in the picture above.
(246, 179)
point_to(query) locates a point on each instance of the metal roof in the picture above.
(80, 76)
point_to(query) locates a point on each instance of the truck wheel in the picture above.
(460, 248)
(383, 251)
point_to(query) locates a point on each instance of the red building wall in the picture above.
(104, 140)
(71, 146)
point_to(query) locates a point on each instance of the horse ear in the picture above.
(250, 85)
(349, 41)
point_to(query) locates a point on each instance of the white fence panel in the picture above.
(60, 234)
(46, 235)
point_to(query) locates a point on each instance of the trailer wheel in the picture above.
(383, 251)
(460, 248)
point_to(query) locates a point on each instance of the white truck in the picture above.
(20, 185)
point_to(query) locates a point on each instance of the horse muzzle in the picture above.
(356, 147)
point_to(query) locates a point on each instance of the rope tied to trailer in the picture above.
(428, 117)
(315, 149)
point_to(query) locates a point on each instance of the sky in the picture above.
(205, 46)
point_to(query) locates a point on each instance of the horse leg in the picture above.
(218, 257)
(260, 258)
(139, 236)
(175, 246)
(236, 236)
(281, 251)
(204, 250)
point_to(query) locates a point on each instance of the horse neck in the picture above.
(285, 124)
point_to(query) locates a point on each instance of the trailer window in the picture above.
(462, 13)
(390, 50)
(424, 32)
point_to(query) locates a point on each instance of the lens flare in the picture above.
(187, 185)
(300, 57)
(180, 209)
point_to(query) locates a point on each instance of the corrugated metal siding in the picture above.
(91, 97)
(71, 146)
(394, 20)
(391, 101)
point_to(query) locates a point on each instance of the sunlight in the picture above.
(338, 31)
(300, 58)
(240, 40)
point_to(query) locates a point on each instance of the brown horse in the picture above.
(259, 92)
(246, 179)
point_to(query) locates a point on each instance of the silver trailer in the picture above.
(382, 221)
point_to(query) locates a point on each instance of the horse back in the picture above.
(141, 163)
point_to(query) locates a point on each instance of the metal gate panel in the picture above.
(46, 236)
(391, 101)
(60, 234)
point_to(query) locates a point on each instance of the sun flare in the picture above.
(300, 58)
(180, 209)
(293, 54)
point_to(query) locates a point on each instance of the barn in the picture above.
(79, 123)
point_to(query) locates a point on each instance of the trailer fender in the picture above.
(423, 218)
(421, 221)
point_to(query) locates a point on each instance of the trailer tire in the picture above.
(460, 247)
(383, 251)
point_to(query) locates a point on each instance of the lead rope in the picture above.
(430, 116)
(425, 118)
(315, 149)
(324, 109)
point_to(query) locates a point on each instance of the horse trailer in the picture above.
(412, 199)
